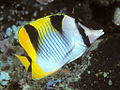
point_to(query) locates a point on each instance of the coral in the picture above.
(52, 83)
(23, 84)
(9, 31)
(1, 36)
(13, 31)
(5, 45)
(4, 78)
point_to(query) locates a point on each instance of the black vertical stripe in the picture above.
(34, 36)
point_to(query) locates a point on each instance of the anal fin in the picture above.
(24, 61)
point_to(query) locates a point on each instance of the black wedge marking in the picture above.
(34, 36)
(82, 32)
(56, 21)
(29, 59)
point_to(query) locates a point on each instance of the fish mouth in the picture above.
(95, 34)
(101, 32)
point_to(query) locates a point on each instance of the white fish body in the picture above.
(54, 41)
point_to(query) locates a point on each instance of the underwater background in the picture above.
(97, 69)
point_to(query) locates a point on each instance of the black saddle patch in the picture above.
(56, 21)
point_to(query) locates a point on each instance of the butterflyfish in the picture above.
(53, 41)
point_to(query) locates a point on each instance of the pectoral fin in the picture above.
(24, 61)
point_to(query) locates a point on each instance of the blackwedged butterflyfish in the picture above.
(53, 41)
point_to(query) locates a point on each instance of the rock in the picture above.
(44, 2)
(103, 3)
(116, 18)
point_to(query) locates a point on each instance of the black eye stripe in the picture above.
(82, 32)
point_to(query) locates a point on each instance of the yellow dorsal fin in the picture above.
(24, 61)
